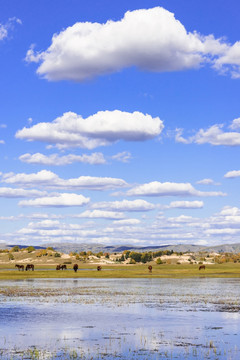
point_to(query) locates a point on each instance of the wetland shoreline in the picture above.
(127, 319)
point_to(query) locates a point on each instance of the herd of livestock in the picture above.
(75, 267)
(58, 267)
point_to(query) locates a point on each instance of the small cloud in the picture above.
(185, 205)
(124, 156)
(179, 138)
(232, 174)
(56, 160)
(61, 200)
(214, 135)
(207, 182)
(235, 124)
(157, 188)
(125, 205)
(101, 214)
(5, 28)
(127, 222)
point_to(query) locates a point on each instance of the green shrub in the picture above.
(10, 256)
(146, 257)
(15, 249)
(135, 256)
(30, 249)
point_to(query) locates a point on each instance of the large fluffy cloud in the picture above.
(61, 200)
(157, 188)
(151, 39)
(51, 180)
(100, 129)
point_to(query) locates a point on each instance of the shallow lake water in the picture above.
(120, 318)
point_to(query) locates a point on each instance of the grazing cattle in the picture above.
(202, 267)
(20, 267)
(29, 266)
(75, 267)
(63, 267)
(58, 267)
(150, 268)
(99, 268)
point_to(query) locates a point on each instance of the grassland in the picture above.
(228, 270)
(116, 265)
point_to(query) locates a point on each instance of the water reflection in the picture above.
(122, 317)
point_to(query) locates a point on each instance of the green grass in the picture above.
(124, 271)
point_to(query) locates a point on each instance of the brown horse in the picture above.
(202, 267)
(20, 267)
(29, 266)
(58, 267)
(150, 268)
(99, 268)
(75, 267)
(63, 267)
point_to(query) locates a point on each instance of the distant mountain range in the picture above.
(73, 247)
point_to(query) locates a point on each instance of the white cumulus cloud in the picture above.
(207, 182)
(56, 160)
(125, 205)
(186, 205)
(49, 179)
(7, 192)
(230, 61)
(61, 200)
(127, 222)
(232, 174)
(101, 214)
(235, 124)
(214, 135)
(157, 188)
(150, 39)
(100, 129)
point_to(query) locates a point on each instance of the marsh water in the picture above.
(197, 318)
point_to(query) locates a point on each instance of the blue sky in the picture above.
(120, 122)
